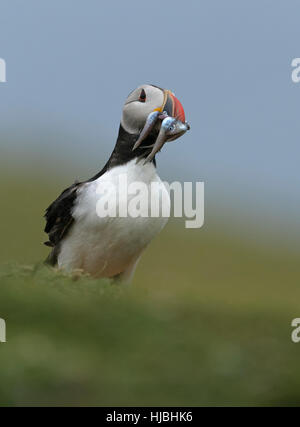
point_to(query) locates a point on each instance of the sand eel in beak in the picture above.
(170, 129)
(104, 246)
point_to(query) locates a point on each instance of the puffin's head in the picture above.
(150, 110)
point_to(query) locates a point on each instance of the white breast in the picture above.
(105, 247)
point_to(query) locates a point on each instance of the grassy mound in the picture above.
(75, 340)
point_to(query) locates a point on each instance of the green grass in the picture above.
(206, 321)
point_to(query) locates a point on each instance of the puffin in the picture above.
(110, 246)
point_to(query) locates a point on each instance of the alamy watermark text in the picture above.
(2, 330)
(296, 70)
(2, 70)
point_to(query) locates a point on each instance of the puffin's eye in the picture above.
(142, 97)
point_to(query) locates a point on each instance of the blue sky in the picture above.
(71, 64)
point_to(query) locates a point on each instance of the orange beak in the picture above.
(173, 106)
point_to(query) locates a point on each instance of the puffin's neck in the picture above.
(122, 153)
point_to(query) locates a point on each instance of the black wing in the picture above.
(59, 219)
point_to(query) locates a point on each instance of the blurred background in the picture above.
(207, 320)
